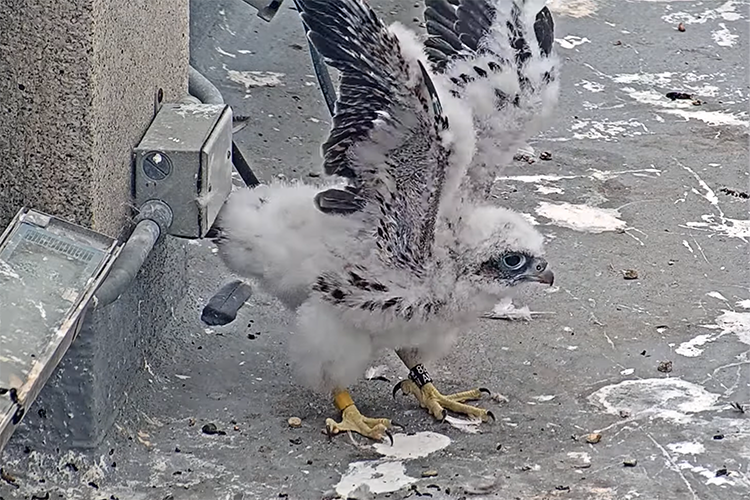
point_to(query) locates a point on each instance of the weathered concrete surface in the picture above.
(616, 144)
(77, 90)
(78, 81)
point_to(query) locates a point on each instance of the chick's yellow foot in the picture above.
(437, 404)
(352, 420)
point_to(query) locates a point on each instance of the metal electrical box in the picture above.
(185, 160)
(49, 271)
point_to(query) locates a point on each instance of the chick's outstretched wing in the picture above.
(386, 129)
(498, 57)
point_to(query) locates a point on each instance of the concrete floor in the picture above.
(653, 364)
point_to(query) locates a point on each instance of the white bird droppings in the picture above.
(409, 447)
(723, 37)
(670, 399)
(545, 398)
(572, 8)
(469, 426)
(691, 348)
(571, 41)
(388, 474)
(255, 78)
(737, 323)
(687, 448)
(582, 217)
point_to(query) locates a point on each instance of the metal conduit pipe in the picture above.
(321, 71)
(154, 220)
(201, 87)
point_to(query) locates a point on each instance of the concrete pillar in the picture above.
(77, 86)
(78, 80)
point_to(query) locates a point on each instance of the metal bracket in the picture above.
(267, 9)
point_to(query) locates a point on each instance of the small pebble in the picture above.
(630, 462)
(681, 27)
(593, 438)
(545, 155)
(211, 430)
(630, 274)
(294, 422)
(429, 473)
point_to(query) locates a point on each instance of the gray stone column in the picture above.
(78, 80)
(77, 86)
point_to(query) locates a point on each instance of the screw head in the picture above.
(156, 165)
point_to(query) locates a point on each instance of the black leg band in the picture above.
(419, 376)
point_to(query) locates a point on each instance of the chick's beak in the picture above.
(547, 277)
(539, 273)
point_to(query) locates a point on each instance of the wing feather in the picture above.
(386, 128)
(504, 67)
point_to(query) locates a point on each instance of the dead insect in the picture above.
(664, 366)
(731, 192)
(722, 472)
(8, 478)
(738, 406)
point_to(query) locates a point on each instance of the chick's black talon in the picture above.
(329, 431)
(396, 388)
(390, 436)
(485, 390)
(445, 415)
(491, 415)
(396, 424)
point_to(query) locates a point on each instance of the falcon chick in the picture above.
(401, 251)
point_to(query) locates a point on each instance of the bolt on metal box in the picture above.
(185, 160)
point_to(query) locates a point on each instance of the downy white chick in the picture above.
(404, 254)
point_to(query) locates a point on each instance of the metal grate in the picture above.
(46, 241)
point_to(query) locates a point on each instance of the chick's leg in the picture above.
(352, 420)
(420, 385)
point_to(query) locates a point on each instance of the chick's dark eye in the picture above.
(514, 261)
